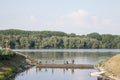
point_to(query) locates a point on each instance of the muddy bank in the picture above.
(112, 67)
(18, 63)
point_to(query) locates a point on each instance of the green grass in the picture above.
(10, 71)
(6, 54)
(2, 77)
(101, 63)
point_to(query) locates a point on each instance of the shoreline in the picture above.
(21, 64)
(106, 74)
(111, 66)
(27, 65)
(19, 70)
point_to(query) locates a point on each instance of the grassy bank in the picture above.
(112, 67)
(10, 64)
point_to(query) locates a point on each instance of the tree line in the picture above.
(20, 39)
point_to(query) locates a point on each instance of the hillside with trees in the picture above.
(20, 39)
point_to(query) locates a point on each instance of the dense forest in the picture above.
(20, 39)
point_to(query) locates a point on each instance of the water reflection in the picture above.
(52, 70)
(65, 70)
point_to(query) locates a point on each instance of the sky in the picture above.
(70, 16)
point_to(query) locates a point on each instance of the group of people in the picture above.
(68, 62)
(65, 62)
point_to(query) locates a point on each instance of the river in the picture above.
(59, 56)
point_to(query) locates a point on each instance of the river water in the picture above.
(59, 56)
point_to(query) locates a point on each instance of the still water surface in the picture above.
(59, 56)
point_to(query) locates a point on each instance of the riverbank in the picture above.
(9, 68)
(112, 67)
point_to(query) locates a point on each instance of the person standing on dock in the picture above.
(67, 62)
(53, 61)
(46, 62)
(73, 61)
(40, 62)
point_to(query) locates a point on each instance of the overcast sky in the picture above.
(70, 16)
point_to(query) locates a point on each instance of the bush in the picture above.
(8, 72)
(2, 77)
(13, 70)
(100, 63)
(6, 54)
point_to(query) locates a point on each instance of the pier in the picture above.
(75, 66)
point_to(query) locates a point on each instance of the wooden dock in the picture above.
(75, 66)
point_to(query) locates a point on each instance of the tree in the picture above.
(95, 36)
(20, 39)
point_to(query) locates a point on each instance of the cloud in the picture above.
(76, 19)
(34, 22)
(101, 22)
(107, 22)
(95, 20)
(33, 18)
(82, 21)
(79, 13)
